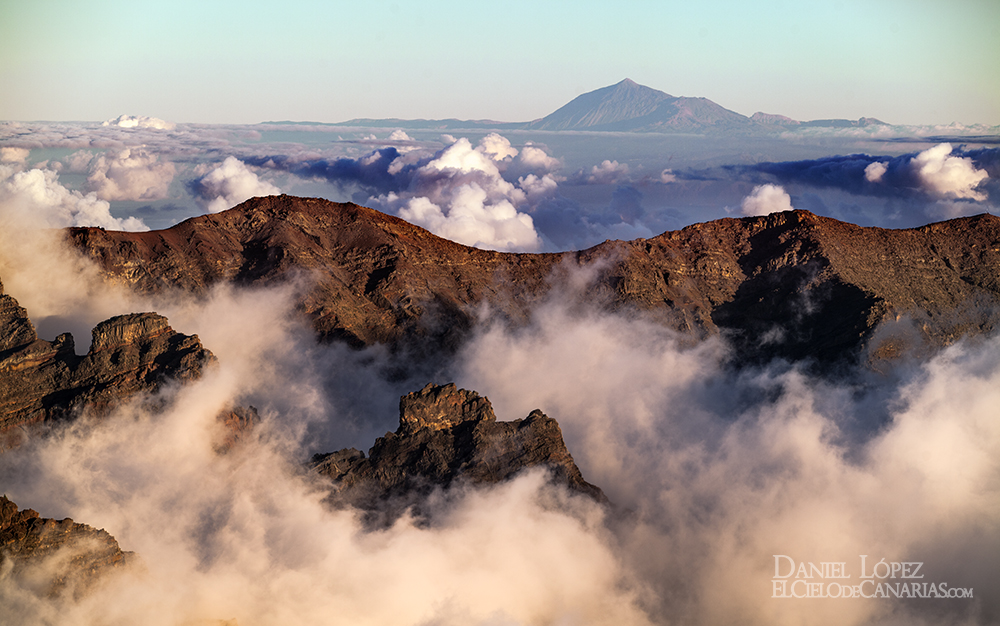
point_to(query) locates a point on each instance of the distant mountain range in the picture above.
(625, 107)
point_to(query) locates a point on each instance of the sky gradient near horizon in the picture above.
(913, 62)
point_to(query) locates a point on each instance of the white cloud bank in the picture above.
(130, 174)
(719, 482)
(230, 183)
(39, 197)
(48, 278)
(461, 195)
(948, 176)
(14, 155)
(140, 121)
(766, 199)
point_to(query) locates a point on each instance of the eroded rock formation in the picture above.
(43, 380)
(50, 556)
(446, 435)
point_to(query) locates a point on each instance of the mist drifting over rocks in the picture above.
(711, 469)
(619, 402)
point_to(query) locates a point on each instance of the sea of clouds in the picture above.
(518, 191)
(712, 471)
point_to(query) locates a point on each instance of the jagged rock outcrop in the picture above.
(446, 435)
(238, 425)
(52, 556)
(791, 285)
(43, 380)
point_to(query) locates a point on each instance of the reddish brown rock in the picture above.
(374, 278)
(792, 285)
(448, 435)
(53, 556)
(237, 427)
(44, 380)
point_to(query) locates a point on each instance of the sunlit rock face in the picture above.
(52, 557)
(789, 285)
(448, 435)
(43, 380)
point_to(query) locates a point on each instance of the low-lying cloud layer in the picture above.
(131, 174)
(37, 197)
(935, 173)
(513, 192)
(726, 470)
(712, 472)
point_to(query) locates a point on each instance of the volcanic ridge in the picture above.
(789, 285)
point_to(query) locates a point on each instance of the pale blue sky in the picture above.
(906, 62)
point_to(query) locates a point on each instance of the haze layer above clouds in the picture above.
(300, 60)
(517, 190)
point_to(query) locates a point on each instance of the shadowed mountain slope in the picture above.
(792, 285)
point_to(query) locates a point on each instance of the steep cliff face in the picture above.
(50, 556)
(446, 435)
(42, 380)
(796, 285)
(789, 285)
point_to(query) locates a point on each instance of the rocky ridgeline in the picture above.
(51, 556)
(45, 380)
(447, 435)
(791, 285)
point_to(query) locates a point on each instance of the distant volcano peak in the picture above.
(629, 106)
(605, 107)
